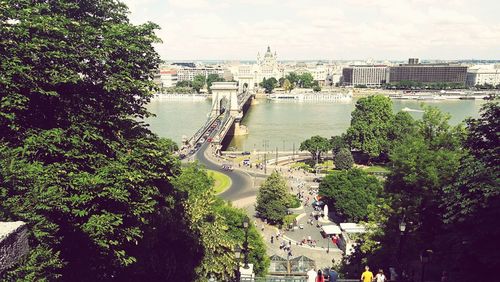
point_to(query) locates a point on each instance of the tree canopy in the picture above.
(273, 198)
(472, 200)
(349, 192)
(315, 145)
(198, 82)
(343, 159)
(76, 163)
(211, 78)
(269, 84)
(370, 123)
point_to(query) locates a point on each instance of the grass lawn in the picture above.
(376, 168)
(222, 181)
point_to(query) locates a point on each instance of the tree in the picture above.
(343, 159)
(315, 145)
(287, 85)
(401, 127)
(306, 80)
(184, 83)
(269, 84)
(90, 180)
(207, 225)
(281, 81)
(273, 198)
(349, 192)
(337, 143)
(293, 78)
(472, 200)
(233, 218)
(211, 78)
(198, 82)
(370, 124)
(316, 88)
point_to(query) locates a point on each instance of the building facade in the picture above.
(368, 75)
(168, 77)
(428, 73)
(187, 73)
(483, 74)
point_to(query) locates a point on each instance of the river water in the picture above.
(283, 124)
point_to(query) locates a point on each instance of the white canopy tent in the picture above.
(331, 229)
(350, 227)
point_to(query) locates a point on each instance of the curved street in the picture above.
(241, 182)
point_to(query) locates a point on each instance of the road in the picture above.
(241, 182)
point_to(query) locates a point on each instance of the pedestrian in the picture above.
(367, 276)
(272, 239)
(332, 275)
(262, 227)
(380, 277)
(311, 275)
(319, 276)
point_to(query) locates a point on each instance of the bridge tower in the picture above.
(224, 94)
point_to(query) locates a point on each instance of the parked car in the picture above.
(245, 153)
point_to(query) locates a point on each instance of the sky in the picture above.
(323, 29)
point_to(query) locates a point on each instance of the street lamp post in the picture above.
(246, 222)
(237, 255)
(402, 229)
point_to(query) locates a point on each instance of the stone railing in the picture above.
(13, 243)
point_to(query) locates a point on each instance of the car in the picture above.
(246, 153)
(182, 156)
(209, 139)
(202, 140)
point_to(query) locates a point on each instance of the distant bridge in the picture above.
(228, 109)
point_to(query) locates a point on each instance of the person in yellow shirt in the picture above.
(367, 276)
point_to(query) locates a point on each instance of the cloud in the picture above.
(335, 29)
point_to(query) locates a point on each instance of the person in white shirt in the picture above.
(311, 275)
(380, 277)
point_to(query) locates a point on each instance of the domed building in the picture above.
(252, 74)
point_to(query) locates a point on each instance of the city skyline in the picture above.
(314, 30)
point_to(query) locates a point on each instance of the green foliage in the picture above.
(211, 78)
(315, 145)
(269, 84)
(293, 78)
(349, 192)
(233, 218)
(205, 223)
(287, 85)
(198, 82)
(273, 198)
(306, 80)
(337, 143)
(90, 180)
(316, 88)
(472, 200)
(343, 159)
(289, 219)
(402, 126)
(370, 123)
(184, 83)
(409, 84)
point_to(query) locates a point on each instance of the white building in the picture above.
(368, 75)
(168, 77)
(187, 73)
(481, 74)
(251, 75)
